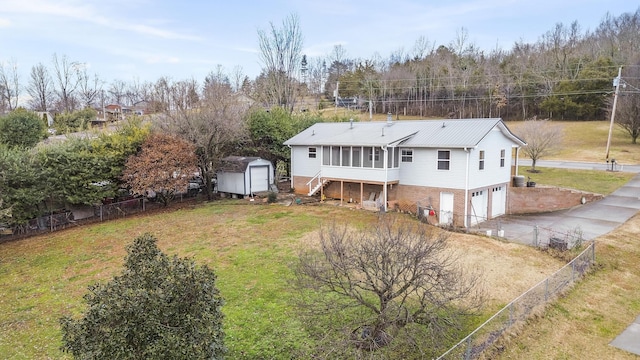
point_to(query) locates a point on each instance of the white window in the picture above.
(407, 155)
(444, 159)
(312, 152)
(502, 155)
(481, 162)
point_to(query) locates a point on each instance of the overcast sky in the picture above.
(145, 39)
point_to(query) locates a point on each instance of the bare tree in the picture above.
(66, 74)
(542, 138)
(90, 87)
(9, 85)
(628, 107)
(118, 91)
(400, 275)
(280, 52)
(40, 88)
(214, 124)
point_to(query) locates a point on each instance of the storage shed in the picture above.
(240, 175)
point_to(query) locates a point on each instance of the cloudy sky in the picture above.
(145, 39)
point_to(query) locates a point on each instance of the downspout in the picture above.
(385, 163)
(466, 189)
(517, 159)
(291, 166)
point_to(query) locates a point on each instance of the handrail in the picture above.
(316, 177)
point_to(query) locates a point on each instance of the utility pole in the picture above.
(616, 83)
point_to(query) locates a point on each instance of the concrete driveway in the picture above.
(592, 219)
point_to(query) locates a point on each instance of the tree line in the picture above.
(566, 74)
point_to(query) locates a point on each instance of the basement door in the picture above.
(259, 178)
(498, 201)
(446, 209)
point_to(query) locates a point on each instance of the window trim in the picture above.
(406, 155)
(312, 151)
(503, 155)
(481, 156)
(443, 161)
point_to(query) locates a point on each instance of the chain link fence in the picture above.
(65, 218)
(485, 341)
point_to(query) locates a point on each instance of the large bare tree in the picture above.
(213, 121)
(9, 86)
(40, 88)
(280, 53)
(395, 280)
(67, 77)
(90, 88)
(542, 137)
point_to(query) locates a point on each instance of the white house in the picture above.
(242, 175)
(462, 168)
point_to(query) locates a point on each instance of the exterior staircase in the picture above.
(316, 184)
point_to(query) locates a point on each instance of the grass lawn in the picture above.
(249, 246)
(595, 181)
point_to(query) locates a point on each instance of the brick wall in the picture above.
(526, 200)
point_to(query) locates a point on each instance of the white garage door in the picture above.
(478, 206)
(259, 178)
(498, 201)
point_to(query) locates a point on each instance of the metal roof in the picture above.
(443, 133)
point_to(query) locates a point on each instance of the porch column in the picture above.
(341, 191)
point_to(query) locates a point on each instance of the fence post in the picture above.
(101, 212)
(546, 290)
(511, 313)
(593, 252)
(573, 270)
(467, 354)
(535, 235)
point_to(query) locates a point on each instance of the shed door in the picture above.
(259, 178)
(446, 209)
(498, 201)
(478, 206)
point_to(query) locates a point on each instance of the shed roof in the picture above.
(444, 133)
(237, 163)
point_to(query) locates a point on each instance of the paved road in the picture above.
(582, 165)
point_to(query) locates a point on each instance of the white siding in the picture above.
(492, 173)
(232, 183)
(423, 170)
(301, 164)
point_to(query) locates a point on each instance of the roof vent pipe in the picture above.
(351, 123)
(382, 131)
(443, 124)
(389, 118)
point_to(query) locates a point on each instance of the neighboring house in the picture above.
(113, 112)
(239, 175)
(460, 168)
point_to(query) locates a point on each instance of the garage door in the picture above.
(478, 206)
(498, 201)
(259, 178)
